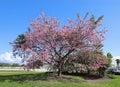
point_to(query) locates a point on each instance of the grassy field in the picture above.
(35, 79)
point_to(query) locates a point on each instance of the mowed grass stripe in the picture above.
(36, 79)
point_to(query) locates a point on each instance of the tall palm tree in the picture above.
(117, 62)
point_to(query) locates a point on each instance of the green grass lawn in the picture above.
(35, 79)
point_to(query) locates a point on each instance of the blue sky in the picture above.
(15, 17)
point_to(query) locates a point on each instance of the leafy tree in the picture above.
(51, 43)
(18, 45)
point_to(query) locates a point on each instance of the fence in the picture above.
(22, 68)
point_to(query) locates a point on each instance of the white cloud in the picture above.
(9, 58)
(114, 60)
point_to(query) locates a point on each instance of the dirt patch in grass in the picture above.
(98, 80)
(63, 78)
(95, 79)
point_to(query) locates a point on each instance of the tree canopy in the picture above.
(56, 45)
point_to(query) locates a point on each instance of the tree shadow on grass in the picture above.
(24, 77)
(91, 76)
(21, 78)
(45, 77)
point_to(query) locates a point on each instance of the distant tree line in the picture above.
(9, 65)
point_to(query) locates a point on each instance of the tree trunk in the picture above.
(117, 65)
(101, 72)
(59, 72)
(88, 71)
